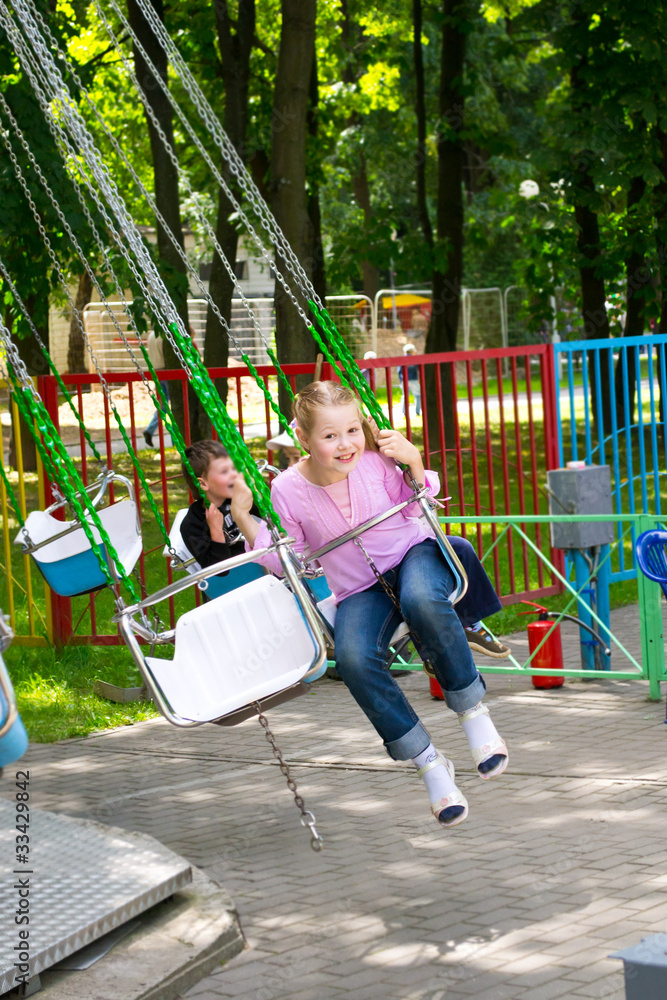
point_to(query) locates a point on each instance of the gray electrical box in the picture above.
(645, 967)
(585, 490)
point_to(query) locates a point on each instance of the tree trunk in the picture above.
(166, 192)
(636, 278)
(351, 37)
(420, 114)
(446, 280)
(593, 305)
(660, 197)
(235, 48)
(76, 352)
(313, 170)
(288, 171)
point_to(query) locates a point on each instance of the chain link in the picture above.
(307, 818)
(391, 593)
(61, 106)
(63, 281)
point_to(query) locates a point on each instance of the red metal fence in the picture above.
(492, 453)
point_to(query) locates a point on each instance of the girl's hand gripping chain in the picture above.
(394, 445)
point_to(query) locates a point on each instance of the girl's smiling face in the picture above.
(336, 443)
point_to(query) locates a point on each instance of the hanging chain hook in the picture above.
(307, 817)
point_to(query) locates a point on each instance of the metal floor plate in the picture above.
(85, 879)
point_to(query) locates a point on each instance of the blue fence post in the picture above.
(581, 575)
(602, 595)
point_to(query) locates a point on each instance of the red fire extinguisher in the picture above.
(550, 654)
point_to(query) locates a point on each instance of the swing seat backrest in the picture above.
(651, 549)
(215, 586)
(247, 645)
(69, 564)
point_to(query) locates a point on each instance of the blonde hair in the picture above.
(319, 394)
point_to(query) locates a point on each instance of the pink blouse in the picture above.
(309, 515)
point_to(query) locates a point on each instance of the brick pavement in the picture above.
(562, 860)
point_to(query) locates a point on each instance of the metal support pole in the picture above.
(581, 574)
(61, 607)
(602, 596)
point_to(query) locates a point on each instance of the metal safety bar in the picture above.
(28, 547)
(421, 497)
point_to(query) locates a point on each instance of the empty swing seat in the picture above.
(68, 564)
(247, 645)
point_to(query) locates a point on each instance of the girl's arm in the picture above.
(257, 535)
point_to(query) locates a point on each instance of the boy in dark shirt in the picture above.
(210, 533)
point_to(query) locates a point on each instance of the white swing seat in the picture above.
(69, 564)
(247, 645)
(215, 586)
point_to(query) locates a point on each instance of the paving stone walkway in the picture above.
(561, 861)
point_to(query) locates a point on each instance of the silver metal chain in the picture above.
(257, 202)
(63, 108)
(307, 818)
(183, 179)
(391, 593)
(228, 150)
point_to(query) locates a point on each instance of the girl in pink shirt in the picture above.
(346, 479)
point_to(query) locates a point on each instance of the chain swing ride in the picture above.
(274, 631)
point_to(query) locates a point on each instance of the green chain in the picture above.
(170, 423)
(225, 426)
(12, 499)
(54, 370)
(66, 474)
(351, 367)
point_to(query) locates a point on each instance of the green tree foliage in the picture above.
(567, 96)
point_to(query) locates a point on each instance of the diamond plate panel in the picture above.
(86, 879)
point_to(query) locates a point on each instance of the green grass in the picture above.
(54, 690)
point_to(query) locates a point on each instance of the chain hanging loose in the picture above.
(307, 818)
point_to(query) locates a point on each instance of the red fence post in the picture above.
(61, 607)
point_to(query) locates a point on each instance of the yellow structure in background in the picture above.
(30, 626)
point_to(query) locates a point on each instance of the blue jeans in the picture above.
(152, 427)
(365, 623)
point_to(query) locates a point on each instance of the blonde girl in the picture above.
(347, 478)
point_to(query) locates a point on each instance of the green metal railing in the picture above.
(652, 665)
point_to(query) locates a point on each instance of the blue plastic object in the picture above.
(78, 574)
(14, 743)
(219, 585)
(319, 588)
(651, 548)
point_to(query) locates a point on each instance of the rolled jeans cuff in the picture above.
(468, 697)
(410, 745)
